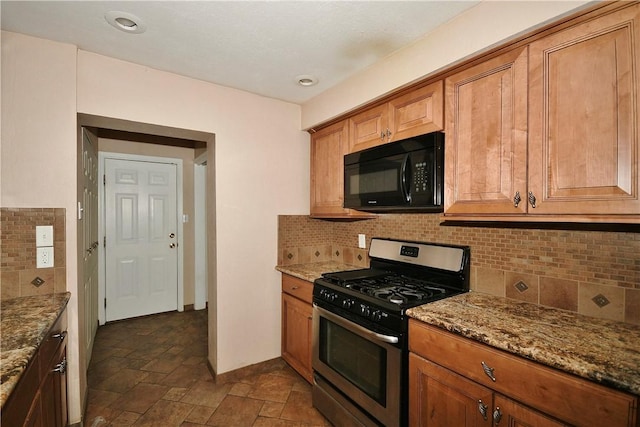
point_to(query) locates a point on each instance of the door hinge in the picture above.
(104, 241)
(105, 303)
(104, 179)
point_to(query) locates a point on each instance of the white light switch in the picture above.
(44, 257)
(362, 241)
(44, 235)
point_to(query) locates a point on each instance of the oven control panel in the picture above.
(358, 308)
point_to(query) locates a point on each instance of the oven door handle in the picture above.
(364, 331)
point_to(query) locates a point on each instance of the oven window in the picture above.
(359, 360)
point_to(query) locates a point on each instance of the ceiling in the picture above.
(257, 46)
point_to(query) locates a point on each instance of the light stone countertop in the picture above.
(24, 323)
(314, 270)
(603, 351)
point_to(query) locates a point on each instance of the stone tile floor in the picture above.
(152, 371)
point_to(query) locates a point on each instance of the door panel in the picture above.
(583, 115)
(486, 127)
(141, 250)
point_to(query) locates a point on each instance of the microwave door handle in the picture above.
(405, 177)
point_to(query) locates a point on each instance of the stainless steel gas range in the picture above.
(360, 346)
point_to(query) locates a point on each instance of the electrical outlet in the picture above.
(44, 257)
(362, 241)
(44, 235)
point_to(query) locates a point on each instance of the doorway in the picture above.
(140, 200)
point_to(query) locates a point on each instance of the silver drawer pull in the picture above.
(489, 371)
(497, 416)
(61, 367)
(61, 336)
(294, 288)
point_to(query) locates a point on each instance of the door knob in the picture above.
(173, 245)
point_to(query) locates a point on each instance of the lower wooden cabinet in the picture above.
(40, 397)
(296, 324)
(450, 384)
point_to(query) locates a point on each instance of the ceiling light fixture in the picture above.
(126, 22)
(306, 80)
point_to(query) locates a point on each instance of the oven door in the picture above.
(363, 365)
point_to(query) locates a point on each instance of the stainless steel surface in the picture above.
(429, 255)
(388, 415)
(336, 408)
(364, 332)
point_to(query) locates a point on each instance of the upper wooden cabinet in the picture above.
(486, 136)
(583, 105)
(328, 147)
(415, 113)
(548, 132)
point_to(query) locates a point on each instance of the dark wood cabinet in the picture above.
(40, 397)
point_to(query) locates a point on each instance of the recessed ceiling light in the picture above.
(126, 22)
(306, 80)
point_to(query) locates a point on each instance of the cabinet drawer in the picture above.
(298, 288)
(571, 399)
(55, 337)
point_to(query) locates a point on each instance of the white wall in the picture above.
(479, 28)
(261, 170)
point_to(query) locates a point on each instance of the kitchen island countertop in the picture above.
(600, 350)
(24, 322)
(314, 270)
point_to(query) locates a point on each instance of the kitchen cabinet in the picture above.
(328, 147)
(40, 397)
(455, 378)
(415, 113)
(486, 136)
(547, 131)
(297, 324)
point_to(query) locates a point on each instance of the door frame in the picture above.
(102, 279)
(200, 229)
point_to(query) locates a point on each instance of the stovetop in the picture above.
(402, 275)
(391, 287)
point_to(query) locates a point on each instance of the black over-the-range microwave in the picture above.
(402, 176)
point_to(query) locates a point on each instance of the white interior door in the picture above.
(141, 256)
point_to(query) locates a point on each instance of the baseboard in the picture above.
(258, 368)
(189, 307)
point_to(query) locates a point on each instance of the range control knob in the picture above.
(376, 316)
(364, 310)
(347, 303)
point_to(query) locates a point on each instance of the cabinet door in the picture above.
(328, 147)
(54, 390)
(416, 113)
(583, 117)
(296, 335)
(486, 137)
(507, 412)
(369, 128)
(441, 398)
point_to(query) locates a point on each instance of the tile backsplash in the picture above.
(596, 273)
(19, 275)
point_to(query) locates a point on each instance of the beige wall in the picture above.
(483, 26)
(261, 170)
(187, 156)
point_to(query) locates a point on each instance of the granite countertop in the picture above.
(24, 322)
(603, 351)
(314, 270)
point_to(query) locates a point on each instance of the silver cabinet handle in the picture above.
(497, 416)
(482, 408)
(516, 199)
(61, 336)
(489, 371)
(532, 199)
(294, 288)
(61, 367)
(382, 135)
